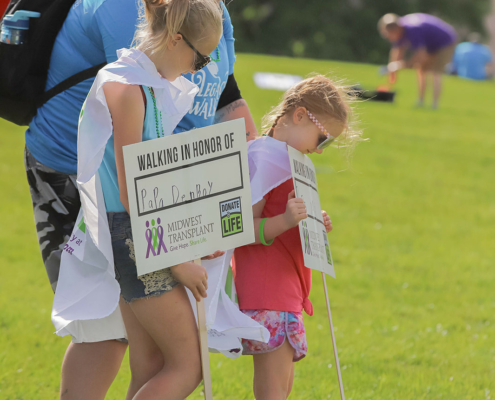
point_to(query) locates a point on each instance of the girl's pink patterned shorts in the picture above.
(280, 324)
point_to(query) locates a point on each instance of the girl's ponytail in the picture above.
(168, 14)
(160, 20)
(177, 12)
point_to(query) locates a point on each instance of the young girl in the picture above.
(272, 282)
(142, 97)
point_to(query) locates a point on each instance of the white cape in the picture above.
(269, 166)
(87, 295)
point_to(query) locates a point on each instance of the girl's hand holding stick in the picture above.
(193, 277)
(295, 210)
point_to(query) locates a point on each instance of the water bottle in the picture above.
(15, 26)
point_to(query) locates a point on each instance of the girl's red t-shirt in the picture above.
(274, 277)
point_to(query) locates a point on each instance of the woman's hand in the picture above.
(326, 221)
(193, 276)
(216, 254)
(295, 210)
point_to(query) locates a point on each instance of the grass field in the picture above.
(413, 245)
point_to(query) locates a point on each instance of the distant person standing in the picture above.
(431, 42)
(473, 60)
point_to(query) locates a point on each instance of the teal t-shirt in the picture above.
(92, 33)
(108, 168)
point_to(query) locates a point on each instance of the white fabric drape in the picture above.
(269, 166)
(86, 299)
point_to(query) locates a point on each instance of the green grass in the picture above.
(413, 245)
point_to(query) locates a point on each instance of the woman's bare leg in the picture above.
(89, 369)
(168, 323)
(272, 373)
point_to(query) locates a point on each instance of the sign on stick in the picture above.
(314, 240)
(189, 195)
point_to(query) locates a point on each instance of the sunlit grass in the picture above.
(413, 245)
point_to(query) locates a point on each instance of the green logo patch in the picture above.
(327, 248)
(231, 217)
(82, 225)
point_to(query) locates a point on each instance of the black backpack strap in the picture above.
(71, 81)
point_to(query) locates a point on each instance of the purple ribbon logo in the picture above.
(307, 242)
(154, 237)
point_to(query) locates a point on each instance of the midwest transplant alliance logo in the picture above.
(231, 217)
(307, 241)
(154, 237)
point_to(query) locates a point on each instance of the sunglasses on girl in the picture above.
(201, 61)
(323, 141)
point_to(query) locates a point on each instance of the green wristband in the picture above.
(262, 238)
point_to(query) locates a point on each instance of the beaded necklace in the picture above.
(158, 115)
(218, 55)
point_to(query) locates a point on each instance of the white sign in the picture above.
(189, 195)
(314, 240)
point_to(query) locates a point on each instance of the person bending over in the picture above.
(431, 43)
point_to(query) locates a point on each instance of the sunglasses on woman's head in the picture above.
(201, 60)
(325, 139)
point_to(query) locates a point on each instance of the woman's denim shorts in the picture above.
(133, 287)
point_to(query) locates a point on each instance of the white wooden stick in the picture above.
(203, 344)
(337, 365)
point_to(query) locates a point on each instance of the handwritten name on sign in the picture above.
(314, 239)
(189, 195)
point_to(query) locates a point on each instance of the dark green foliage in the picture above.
(337, 29)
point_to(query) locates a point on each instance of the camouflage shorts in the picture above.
(56, 205)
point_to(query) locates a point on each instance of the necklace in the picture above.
(158, 115)
(218, 55)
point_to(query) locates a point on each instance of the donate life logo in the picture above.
(154, 237)
(231, 217)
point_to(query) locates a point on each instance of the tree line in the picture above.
(337, 29)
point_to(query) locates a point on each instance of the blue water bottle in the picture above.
(15, 26)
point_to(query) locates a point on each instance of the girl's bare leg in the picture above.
(291, 380)
(145, 357)
(272, 373)
(165, 324)
(89, 369)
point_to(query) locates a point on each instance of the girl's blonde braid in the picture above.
(270, 133)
